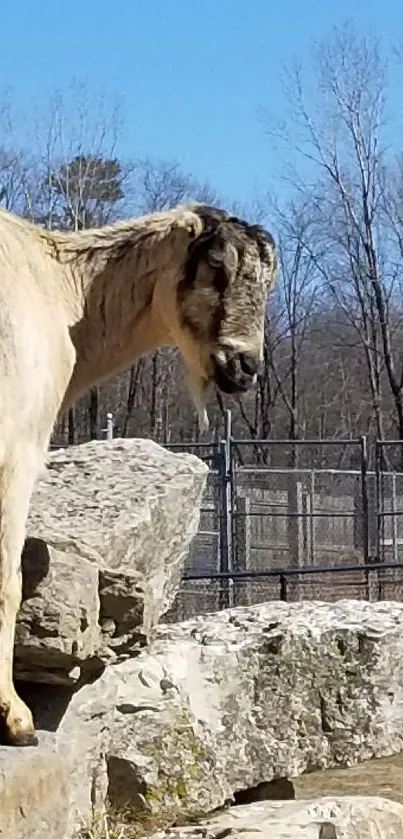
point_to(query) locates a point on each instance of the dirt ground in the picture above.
(382, 777)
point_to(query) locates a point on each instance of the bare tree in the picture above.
(79, 181)
(298, 293)
(159, 185)
(340, 144)
(13, 179)
(14, 164)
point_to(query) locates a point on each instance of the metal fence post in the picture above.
(283, 588)
(376, 588)
(108, 430)
(371, 576)
(226, 518)
(379, 498)
(364, 495)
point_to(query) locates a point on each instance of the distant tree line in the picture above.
(334, 332)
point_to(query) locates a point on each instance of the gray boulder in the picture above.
(109, 529)
(226, 702)
(323, 818)
(219, 707)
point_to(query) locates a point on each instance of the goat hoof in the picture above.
(20, 740)
(15, 733)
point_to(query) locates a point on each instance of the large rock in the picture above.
(110, 527)
(225, 702)
(218, 707)
(324, 818)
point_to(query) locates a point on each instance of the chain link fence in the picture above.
(273, 529)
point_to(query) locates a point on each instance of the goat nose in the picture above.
(250, 364)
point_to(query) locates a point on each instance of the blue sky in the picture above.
(191, 76)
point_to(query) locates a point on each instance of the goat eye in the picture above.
(215, 258)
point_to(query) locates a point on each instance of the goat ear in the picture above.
(230, 258)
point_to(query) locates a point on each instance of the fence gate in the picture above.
(281, 520)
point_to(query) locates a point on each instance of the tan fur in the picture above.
(76, 309)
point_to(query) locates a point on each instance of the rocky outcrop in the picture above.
(110, 526)
(217, 708)
(229, 701)
(324, 818)
(222, 709)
